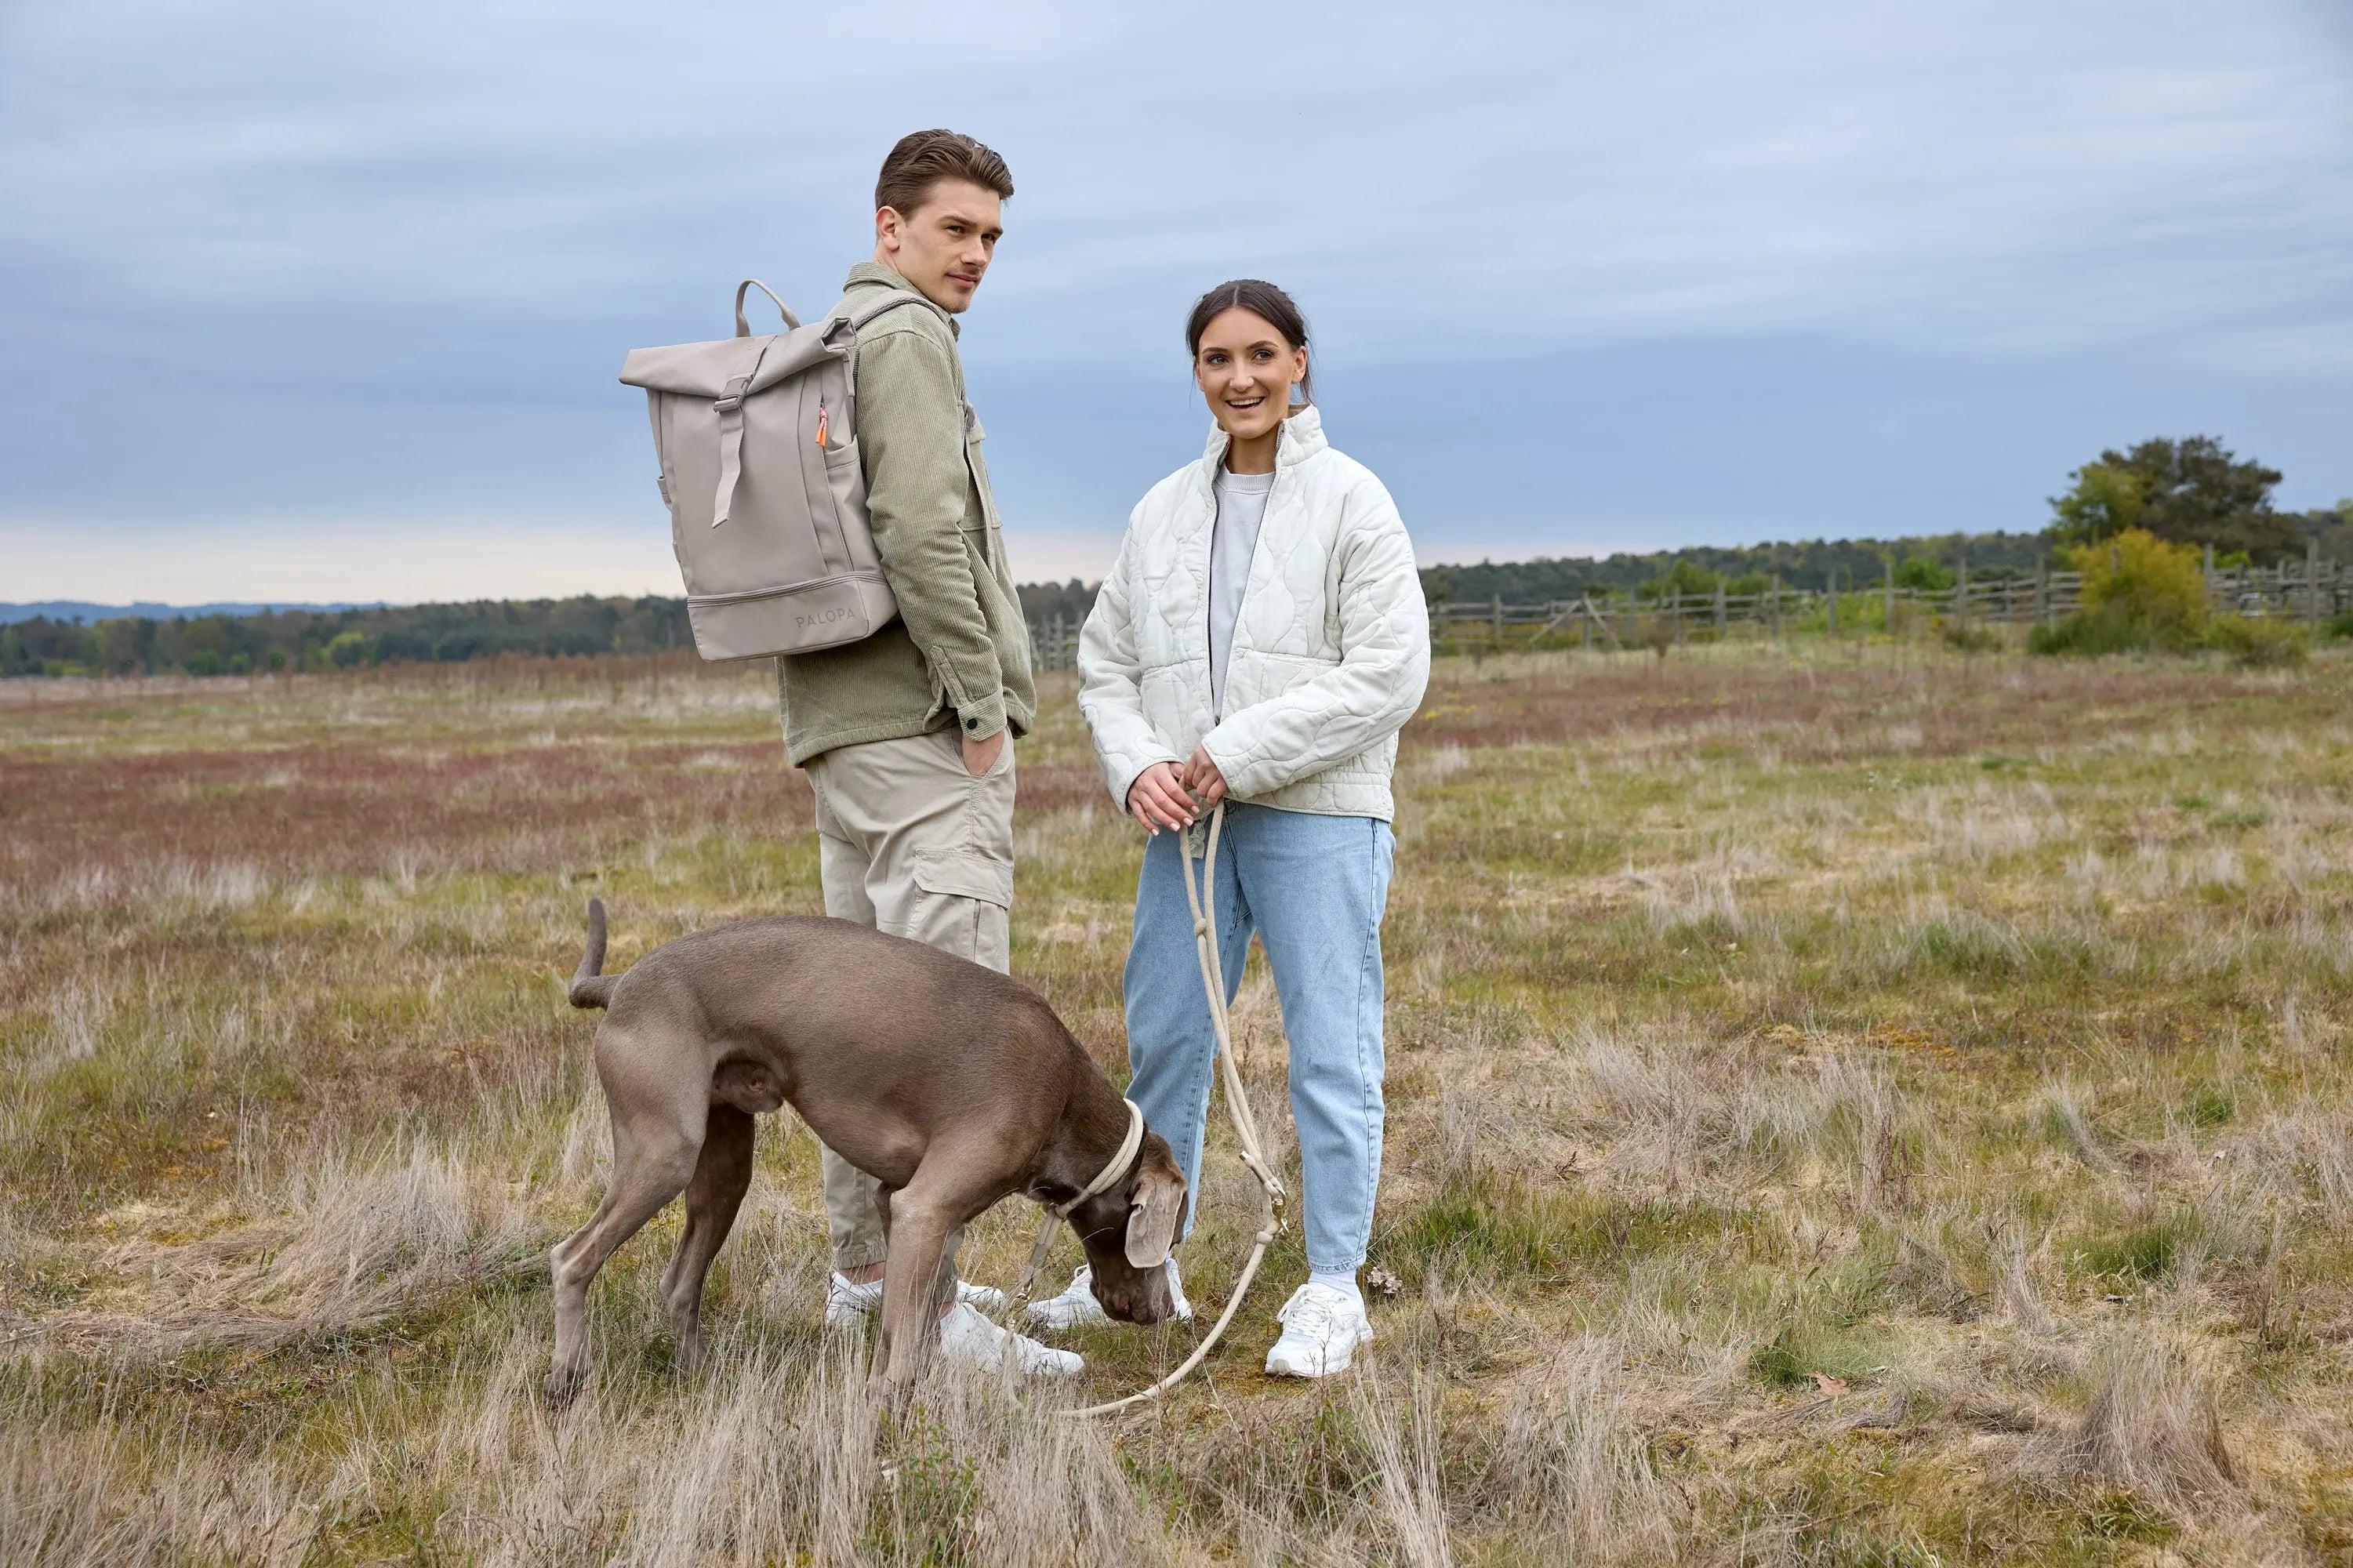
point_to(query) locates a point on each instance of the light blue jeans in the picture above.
(1313, 887)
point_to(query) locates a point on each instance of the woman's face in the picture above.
(1246, 371)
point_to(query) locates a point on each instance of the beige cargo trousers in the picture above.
(911, 843)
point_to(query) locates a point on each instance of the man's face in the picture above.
(943, 247)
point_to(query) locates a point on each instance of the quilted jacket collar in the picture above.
(1302, 438)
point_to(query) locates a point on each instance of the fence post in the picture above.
(1829, 594)
(2042, 592)
(1961, 595)
(2211, 586)
(1891, 599)
(1776, 607)
(2312, 580)
(1719, 609)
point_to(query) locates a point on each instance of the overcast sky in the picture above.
(307, 301)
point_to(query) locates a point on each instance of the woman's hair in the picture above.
(1261, 298)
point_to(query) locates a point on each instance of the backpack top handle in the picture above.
(742, 327)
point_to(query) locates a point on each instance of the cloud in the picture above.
(340, 264)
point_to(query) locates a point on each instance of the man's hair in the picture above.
(925, 158)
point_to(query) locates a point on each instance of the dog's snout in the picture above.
(1145, 1302)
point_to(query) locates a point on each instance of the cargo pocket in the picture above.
(964, 874)
(962, 908)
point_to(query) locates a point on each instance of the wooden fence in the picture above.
(1054, 645)
(2312, 590)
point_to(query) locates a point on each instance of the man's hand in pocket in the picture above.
(979, 756)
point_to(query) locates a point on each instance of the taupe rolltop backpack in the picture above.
(757, 439)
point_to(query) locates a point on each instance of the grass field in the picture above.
(1858, 1107)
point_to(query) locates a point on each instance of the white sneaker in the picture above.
(970, 1339)
(1321, 1328)
(848, 1305)
(1076, 1307)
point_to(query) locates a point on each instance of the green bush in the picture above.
(2140, 594)
(1684, 578)
(2257, 644)
(1919, 572)
(2342, 626)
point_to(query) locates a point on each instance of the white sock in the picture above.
(1344, 1281)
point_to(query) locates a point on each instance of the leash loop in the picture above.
(1203, 902)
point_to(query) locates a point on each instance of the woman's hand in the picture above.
(1157, 800)
(1202, 777)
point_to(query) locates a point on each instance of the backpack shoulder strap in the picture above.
(857, 320)
(891, 301)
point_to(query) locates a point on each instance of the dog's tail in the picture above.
(590, 989)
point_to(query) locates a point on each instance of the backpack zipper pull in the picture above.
(820, 423)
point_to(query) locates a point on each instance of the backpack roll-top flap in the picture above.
(703, 370)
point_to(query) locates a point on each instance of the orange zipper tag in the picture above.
(820, 424)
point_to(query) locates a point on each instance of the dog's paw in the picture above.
(563, 1386)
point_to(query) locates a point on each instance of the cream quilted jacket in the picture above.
(1330, 653)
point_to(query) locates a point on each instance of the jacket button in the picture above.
(972, 723)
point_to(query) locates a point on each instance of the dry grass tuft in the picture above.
(1405, 1449)
(107, 1496)
(1574, 1473)
(2152, 1424)
(357, 1241)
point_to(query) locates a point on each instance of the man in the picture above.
(907, 736)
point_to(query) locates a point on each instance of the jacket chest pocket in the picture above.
(976, 463)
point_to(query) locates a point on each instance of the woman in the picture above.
(1259, 641)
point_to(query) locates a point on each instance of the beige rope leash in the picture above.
(1203, 904)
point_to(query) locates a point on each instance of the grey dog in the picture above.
(949, 1083)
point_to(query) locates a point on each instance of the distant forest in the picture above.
(330, 639)
(1807, 565)
(418, 634)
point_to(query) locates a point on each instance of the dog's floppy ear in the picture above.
(1154, 1209)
